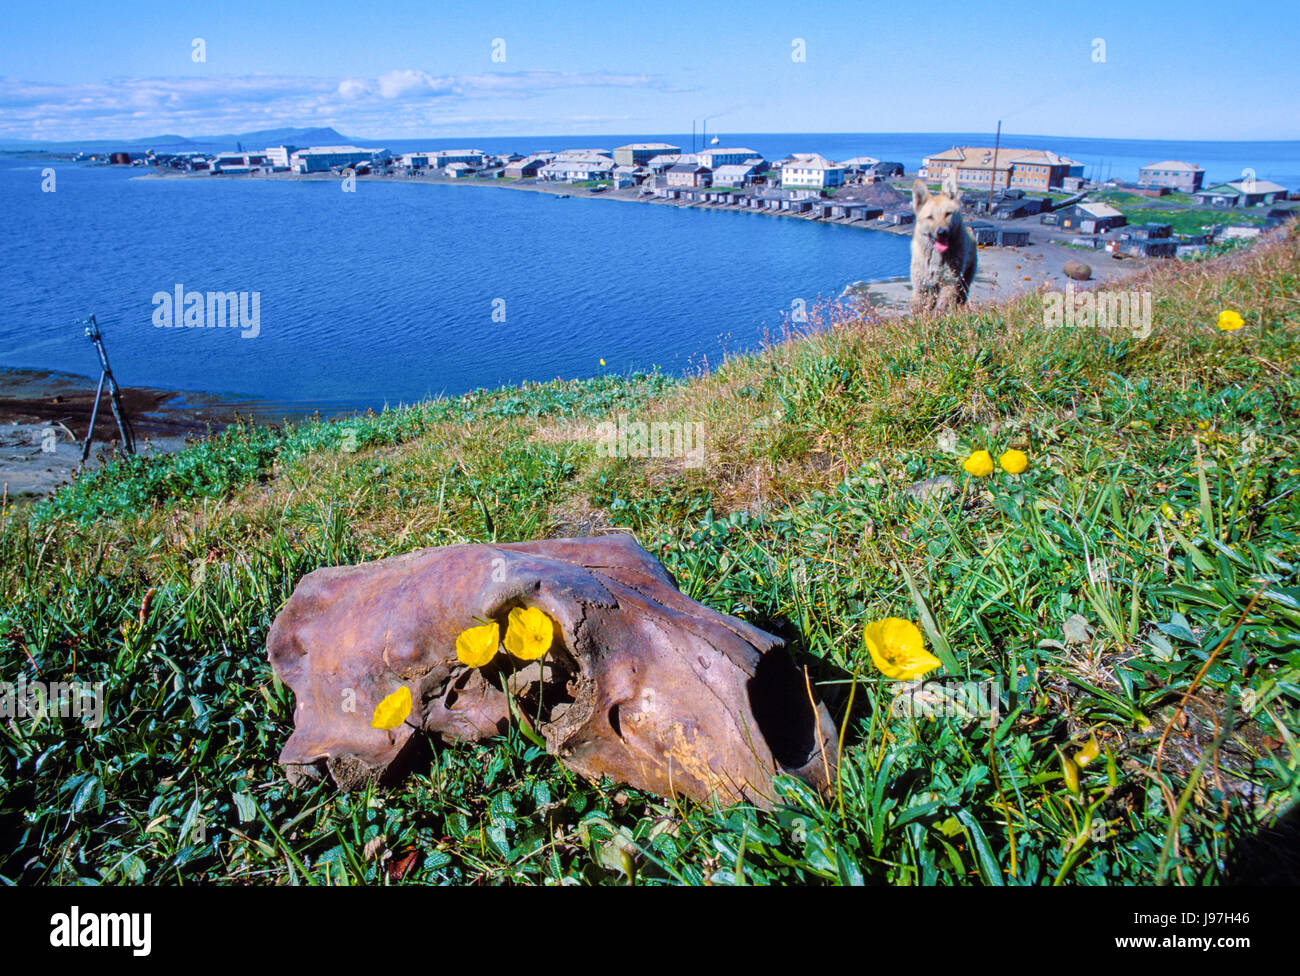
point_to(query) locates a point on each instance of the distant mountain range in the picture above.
(259, 139)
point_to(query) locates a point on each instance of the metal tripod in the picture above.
(114, 394)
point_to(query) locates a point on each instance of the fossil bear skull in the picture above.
(641, 683)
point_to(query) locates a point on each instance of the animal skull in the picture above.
(641, 683)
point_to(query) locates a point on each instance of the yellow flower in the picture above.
(478, 645)
(1014, 462)
(898, 649)
(393, 710)
(1229, 321)
(602, 362)
(529, 633)
(980, 464)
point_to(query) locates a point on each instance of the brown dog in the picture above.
(944, 253)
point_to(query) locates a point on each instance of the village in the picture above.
(1015, 197)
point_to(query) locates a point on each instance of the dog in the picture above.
(944, 253)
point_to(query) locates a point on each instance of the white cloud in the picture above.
(138, 107)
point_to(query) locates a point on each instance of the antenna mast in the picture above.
(993, 177)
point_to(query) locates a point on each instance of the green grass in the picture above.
(1189, 221)
(1148, 559)
(1174, 210)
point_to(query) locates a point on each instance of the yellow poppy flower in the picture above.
(1229, 321)
(478, 645)
(980, 464)
(1014, 462)
(393, 710)
(898, 649)
(529, 633)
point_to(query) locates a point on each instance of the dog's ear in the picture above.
(919, 193)
(950, 185)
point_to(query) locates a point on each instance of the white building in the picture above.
(321, 159)
(713, 158)
(665, 161)
(734, 174)
(278, 156)
(228, 162)
(445, 157)
(811, 170)
(577, 170)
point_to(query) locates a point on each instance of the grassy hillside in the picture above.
(1137, 584)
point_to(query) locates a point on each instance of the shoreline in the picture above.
(556, 189)
(44, 415)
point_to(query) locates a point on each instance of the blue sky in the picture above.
(1188, 70)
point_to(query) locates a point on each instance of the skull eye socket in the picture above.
(791, 734)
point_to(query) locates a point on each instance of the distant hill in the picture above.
(275, 137)
(258, 139)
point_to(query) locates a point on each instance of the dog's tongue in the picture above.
(940, 246)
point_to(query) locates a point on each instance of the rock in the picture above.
(1077, 270)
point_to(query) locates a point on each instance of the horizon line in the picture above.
(598, 135)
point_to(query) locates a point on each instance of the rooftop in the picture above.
(981, 157)
(1174, 164)
(812, 161)
(1099, 210)
(333, 150)
(663, 146)
(734, 169)
(1256, 186)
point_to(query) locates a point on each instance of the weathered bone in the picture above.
(641, 684)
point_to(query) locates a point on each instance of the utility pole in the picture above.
(993, 177)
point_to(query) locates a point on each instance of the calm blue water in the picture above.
(386, 295)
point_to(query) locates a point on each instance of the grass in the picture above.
(1189, 221)
(1139, 584)
(1173, 209)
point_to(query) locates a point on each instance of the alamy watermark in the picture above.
(75, 929)
(659, 439)
(54, 699)
(179, 308)
(939, 698)
(1098, 309)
